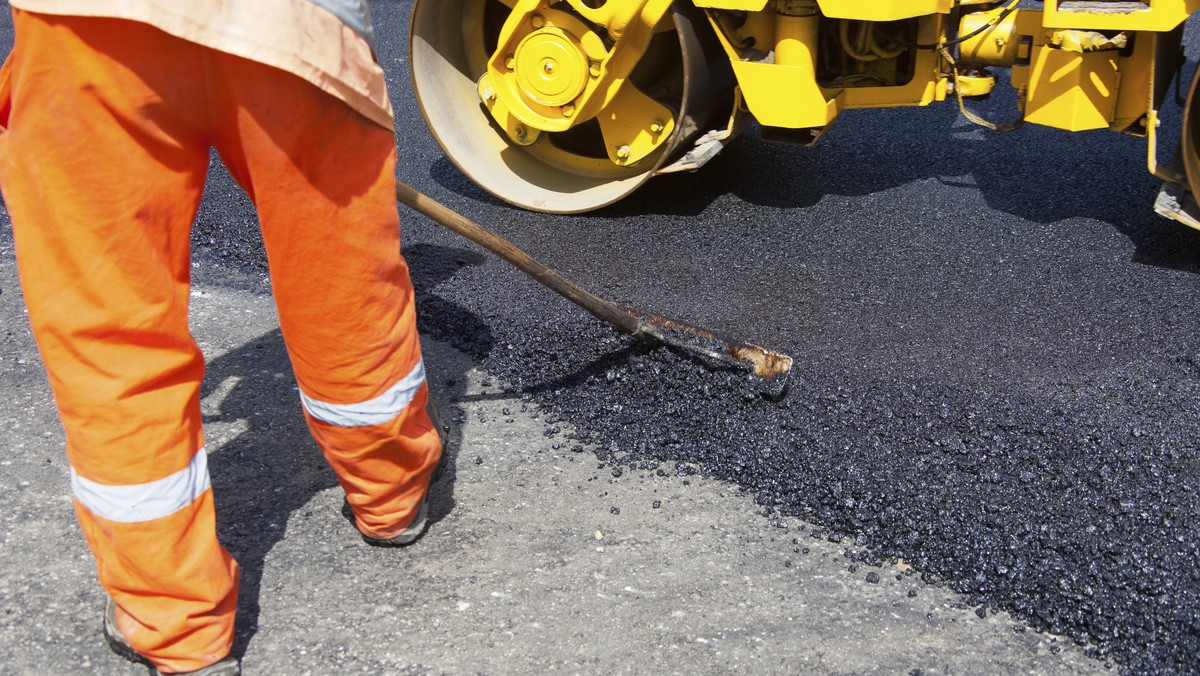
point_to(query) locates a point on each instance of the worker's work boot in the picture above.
(116, 640)
(417, 528)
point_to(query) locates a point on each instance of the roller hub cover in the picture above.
(551, 66)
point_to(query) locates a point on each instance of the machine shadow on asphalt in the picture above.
(1040, 175)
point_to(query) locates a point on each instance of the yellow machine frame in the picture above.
(797, 64)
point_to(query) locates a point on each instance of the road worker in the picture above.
(110, 108)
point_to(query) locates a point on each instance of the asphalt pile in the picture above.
(1073, 509)
(997, 383)
(1080, 530)
(1072, 505)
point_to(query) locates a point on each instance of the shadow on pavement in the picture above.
(269, 468)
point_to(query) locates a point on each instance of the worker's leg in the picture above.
(322, 177)
(102, 178)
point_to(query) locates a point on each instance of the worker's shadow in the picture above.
(266, 468)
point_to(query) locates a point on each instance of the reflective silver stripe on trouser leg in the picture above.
(132, 503)
(375, 411)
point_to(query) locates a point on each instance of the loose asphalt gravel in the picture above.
(997, 369)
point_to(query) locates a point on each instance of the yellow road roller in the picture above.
(564, 106)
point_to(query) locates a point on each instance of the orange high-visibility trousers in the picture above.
(102, 168)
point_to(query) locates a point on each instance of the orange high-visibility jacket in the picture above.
(275, 32)
(111, 109)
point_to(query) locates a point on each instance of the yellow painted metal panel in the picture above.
(1072, 91)
(785, 96)
(867, 10)
(745, 5)
(1147, 15)
(882, 10)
